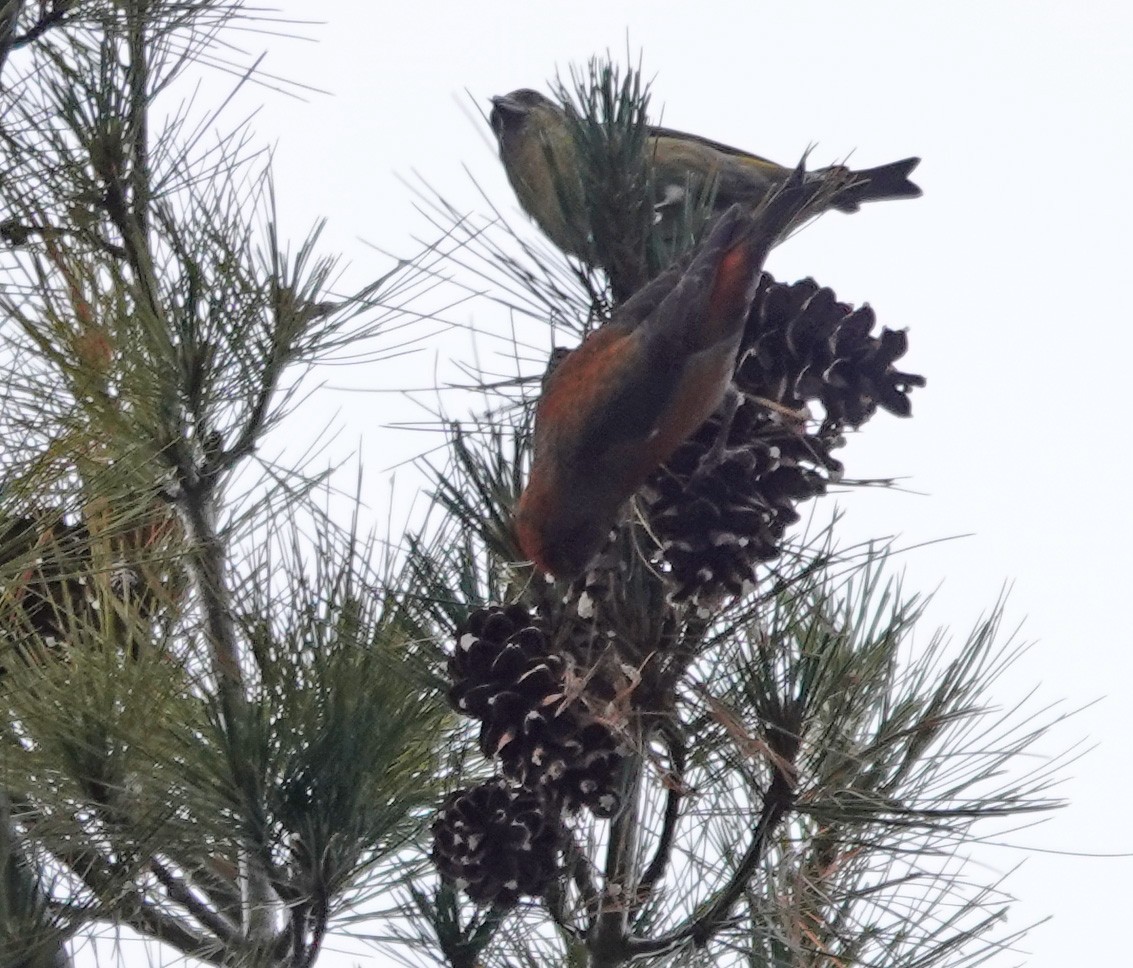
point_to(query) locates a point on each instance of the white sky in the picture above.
(1010, 274)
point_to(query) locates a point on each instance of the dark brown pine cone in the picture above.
(801, 345)
(500, 647)
(720, 511)
(717, 523)
(533, 705)
(498, 842)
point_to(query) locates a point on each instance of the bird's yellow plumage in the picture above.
(542, 163)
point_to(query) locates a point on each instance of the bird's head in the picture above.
(565, 543)
(511, 112)
(563, 519)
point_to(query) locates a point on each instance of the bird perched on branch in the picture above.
(541, 157)
(616, 408)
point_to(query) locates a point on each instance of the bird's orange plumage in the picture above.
(618, 406)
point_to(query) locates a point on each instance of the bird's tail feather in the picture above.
(723, 271)
(721, 279)
(876, 184)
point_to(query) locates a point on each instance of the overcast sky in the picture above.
(1011, 274)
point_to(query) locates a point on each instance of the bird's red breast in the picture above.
(617, 407)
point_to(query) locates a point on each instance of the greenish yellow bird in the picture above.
(539, 155)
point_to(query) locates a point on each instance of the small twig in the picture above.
(318, 932)
(179, 891)
(131, 908)
(17, 234)
(148, 920)
(676, 791)
(776, 804)
(609, 936)
(14, 860)
(9, 16)
(461, 946)
(135, 244)
(208, 563)
(52, 18)
(579, 867)
(220, 888)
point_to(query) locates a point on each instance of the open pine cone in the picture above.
(534, 719)
(718, 514)
(498, 842)
(801, 345)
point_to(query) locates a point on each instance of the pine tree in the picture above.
(217, 730)
(228, 721)
(720, 745)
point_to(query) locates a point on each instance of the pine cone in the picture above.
(802, 345)
(498, 647)
(506, 674)
(716, 524)
(573, 758)
(718, 512)
(498, 842)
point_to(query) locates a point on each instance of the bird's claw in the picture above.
(714, 456)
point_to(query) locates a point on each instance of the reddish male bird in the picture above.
(617, 407)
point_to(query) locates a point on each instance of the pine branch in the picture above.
(674, 795)
(9, 19)
(196, 491)
(98, 874)
(23, 901)
(608, 942)
(578, 867)
(17, 233)
(181, 892)
(49, 18)
(151, 922)
(777, 803)
(208, 561)
(115, 131)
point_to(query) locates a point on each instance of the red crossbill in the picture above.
(616, 408)
(540, 156)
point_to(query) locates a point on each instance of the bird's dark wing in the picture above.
(683, 162)
(659, 132)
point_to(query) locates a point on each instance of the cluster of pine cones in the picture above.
(717, 509)
(539, 708)
(717, 519)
